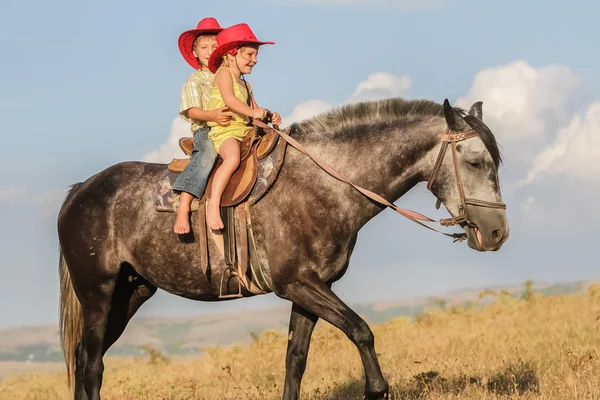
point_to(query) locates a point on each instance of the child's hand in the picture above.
(223, 116)
(276, 118)
(259, 113)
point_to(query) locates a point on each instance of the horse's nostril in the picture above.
(496, 234)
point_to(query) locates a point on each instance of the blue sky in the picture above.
(86, 85)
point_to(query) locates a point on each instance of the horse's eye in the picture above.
(475, 164)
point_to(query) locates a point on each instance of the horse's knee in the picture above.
(80, 356)
(94, 369)
(362, 335)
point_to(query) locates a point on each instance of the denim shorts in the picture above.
(194, 177)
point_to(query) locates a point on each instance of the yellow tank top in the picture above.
(238, 128)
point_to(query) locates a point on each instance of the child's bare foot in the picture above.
(213, 216)
(182, 222)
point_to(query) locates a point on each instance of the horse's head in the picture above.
(465, 178)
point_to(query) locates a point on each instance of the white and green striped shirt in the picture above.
(195, 93)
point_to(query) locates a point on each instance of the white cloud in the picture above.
(47, 202)
(169, 150)
(381, 85)
(51, 197)
(398, 4)
(378, 85)
(306, 110)
(528, 203)
(574, 152)
(523, 103)
(551, 144)
(11, 195)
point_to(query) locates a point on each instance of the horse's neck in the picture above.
(389, 163)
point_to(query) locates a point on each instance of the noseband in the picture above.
(451, 138)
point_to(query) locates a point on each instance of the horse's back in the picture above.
(113, 180)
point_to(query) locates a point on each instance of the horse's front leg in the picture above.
(302, 324)
(308, 291)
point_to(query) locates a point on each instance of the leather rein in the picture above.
(449, 137)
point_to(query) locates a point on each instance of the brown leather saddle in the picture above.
(261, 156)
(257, 145)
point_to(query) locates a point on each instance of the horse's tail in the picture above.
(71, 319)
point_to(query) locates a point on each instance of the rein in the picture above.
(418, 218)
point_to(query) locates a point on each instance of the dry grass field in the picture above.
(534, 347)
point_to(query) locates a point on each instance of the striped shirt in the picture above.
(195, 93)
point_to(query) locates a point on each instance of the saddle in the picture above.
(255, 146)
(186, 144)
(262, 155)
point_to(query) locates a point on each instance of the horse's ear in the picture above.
(454, 121)
(476, 110)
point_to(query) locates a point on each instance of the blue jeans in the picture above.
(194, 177)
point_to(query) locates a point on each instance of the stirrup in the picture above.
(232, 273)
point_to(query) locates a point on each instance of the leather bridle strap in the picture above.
(409, 214)
(451, 138)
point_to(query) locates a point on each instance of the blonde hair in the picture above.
(203, 38)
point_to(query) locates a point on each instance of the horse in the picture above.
(116, 249)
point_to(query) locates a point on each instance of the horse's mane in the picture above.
(348, 120)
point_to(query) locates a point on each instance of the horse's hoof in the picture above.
(378, 396)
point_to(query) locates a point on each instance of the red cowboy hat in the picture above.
(229, 39)
(208, 26)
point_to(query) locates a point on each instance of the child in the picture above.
(196, 45)
(235, 56)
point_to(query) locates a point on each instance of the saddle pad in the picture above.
(164, 198)
(268, 168)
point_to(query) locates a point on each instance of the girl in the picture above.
(235, 55)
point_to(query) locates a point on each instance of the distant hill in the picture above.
(187, 336)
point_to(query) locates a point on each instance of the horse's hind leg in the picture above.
(131, 291)
(96, 307)
(302, 324)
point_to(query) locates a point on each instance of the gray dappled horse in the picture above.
(116, 250)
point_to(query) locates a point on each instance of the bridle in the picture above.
(451, 138)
